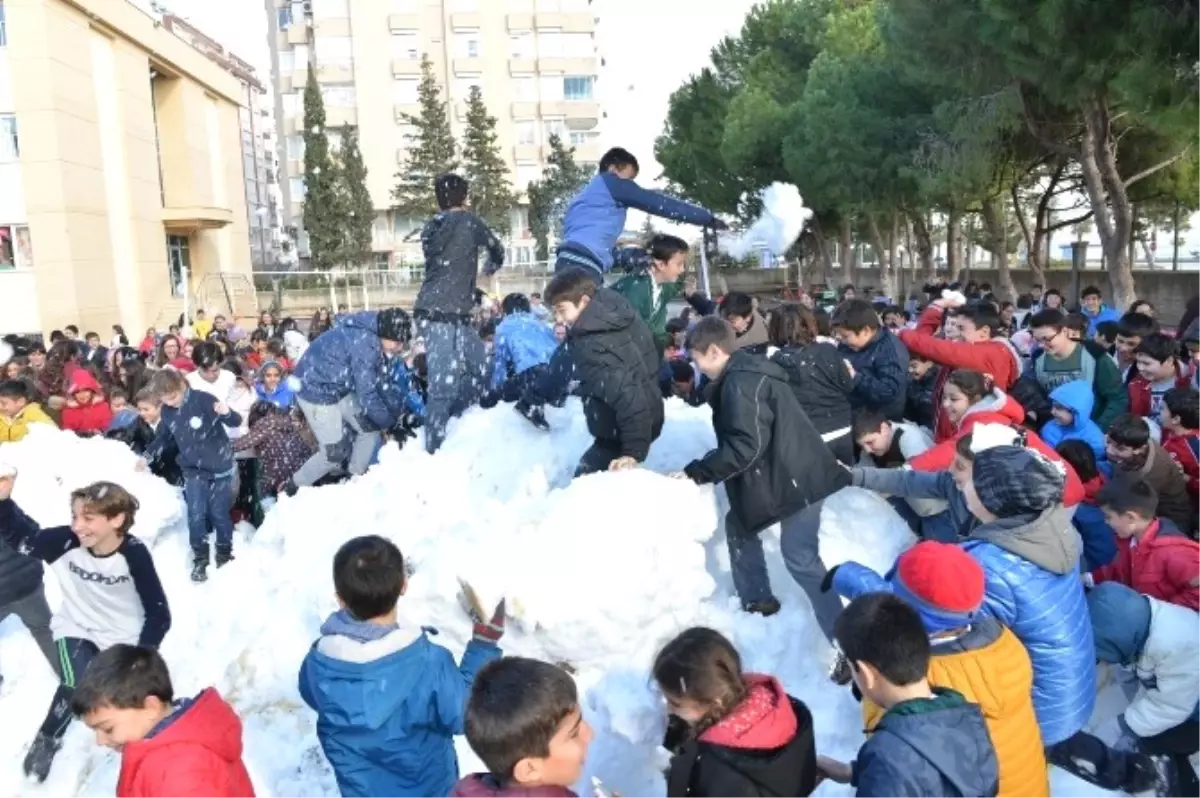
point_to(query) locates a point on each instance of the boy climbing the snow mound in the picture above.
(169, 746)
(525, 723)
(388, 700)
(616, 364)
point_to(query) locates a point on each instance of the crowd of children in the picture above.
(1048, 465)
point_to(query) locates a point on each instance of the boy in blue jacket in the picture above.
(522, 349)
(595, 218)
(194, 421)
(388, 700)
(1072, 418)
(930, 741)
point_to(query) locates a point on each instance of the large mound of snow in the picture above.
(599, 572)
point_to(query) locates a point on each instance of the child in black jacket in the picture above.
(735, 734)
(616, 364)
(194, 420)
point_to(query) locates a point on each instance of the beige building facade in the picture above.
(120, 169)
(535, 62)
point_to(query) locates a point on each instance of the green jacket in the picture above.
(638, 288)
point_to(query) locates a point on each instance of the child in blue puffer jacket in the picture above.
(388, 700)
(1072, 418)
(522, 349)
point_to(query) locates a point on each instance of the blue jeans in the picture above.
(457, 361)
(209, 504)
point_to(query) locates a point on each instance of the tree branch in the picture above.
(1070, 222)
(1142, 175)
(1031, 124)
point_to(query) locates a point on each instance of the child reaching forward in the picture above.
(110, 591)
(744, 736)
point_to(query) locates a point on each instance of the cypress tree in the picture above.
(322, 220)
(358, 214)
(431, 150)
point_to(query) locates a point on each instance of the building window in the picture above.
(179, 259)
(578, 45)
(578, 88)
(549, 43)
(335, 51)
(16, 248)
(330, 9)
(526, 134)
(404, 92)
(551, 87)
(295, 147)
(526, 174)
(300, 58)
(292, 104)
(287, 62)
(462, 86)
(581, 138)
(557, 127)
(10, 150)
(3, 27)
(339, 96)
(299, 190)
(524, 89)
(467, 45)
(520, 44)
(284, 15)
(406, 46)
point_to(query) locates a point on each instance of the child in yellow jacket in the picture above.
(18, 410)
(971, 653)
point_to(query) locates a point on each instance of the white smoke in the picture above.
(782, 220)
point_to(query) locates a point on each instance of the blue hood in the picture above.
(366, 695)
(1079, 398)
(1120, 622)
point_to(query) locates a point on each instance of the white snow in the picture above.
(782, 220)
(599, 573)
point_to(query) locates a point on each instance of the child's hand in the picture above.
(221, 409)
(833, 769)
(622, 464)
(141, 465)
(487, 630)
(678, 475)
(7, 479)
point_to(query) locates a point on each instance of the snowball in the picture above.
(782, 220)
(860, 525)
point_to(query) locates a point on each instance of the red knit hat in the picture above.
(943, 577)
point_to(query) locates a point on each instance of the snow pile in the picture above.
(782, 220)
(599, 573)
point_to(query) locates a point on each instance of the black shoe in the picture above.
(839, 671)
(766, 608)
(289, 488)
(533, 414)
(224, 555)
(41, 756)
(200, 572)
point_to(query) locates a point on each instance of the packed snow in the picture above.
(777, 228)
(599, 573)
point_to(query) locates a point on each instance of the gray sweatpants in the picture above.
(457, 361)
(341, 440)
(34, 612)
(798, 542)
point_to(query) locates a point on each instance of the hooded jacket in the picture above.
(880, 374)
(14, 429)
(1183, 449)
(1077, 397)
(486, 785)
(92, 417)
(1141, 392)
(928, 747)
(1105, 313)
(650, 301)
(769, 456)
(996, 357)
(1099, 540)
(282, 445)
(754, 338)
(388, 704)
(820, 382)
(1162, 642)
(348, 359)
(763, 747)
(1032, 586)
(197, 752)
(1161, 473)
(616, 364)
(1163, 564)
(283, 397)
(522, 342)
(1090, 363)
(451, 241)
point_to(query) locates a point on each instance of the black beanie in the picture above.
(393, 325)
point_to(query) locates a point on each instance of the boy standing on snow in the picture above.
(388, 700)
(930, 741)
(111, 592)
(616, 364)
(169, 746)
(455, 355)
(523, 347)
(595, 218)
(774, 465)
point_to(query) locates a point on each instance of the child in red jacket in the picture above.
(1153, 556)
(87, 411)
(1180, 422)
(191, 746)
(1159, 370)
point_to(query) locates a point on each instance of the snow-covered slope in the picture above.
(599, 573)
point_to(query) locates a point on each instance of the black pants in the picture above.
(1090, 759)
(74, 655)
(598, 457)
(515, 387)
(553, 382)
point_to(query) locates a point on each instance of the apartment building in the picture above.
(259, 160)
(535, 62)
(119, 172)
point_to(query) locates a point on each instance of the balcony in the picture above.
(297, 34)
(399, 22)
(335, 73)
(587, 153)
(524, 110)
(517, 22)
(567, 22)
(522, 66)
(336, 117)
(579, 114)
(336, 26)
(464, 21)
(579, 65)
(411, 109)
(286, 83)
(524, 153)
(187, 220)
(406, 68)
(468, 66)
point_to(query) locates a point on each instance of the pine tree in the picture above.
(322, 219)
(491, 193)
(354, 201)
(431, 150)
(548, 197)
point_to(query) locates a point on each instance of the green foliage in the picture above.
(431, 150)
(322, 213)
(354, 201)
(491, 193)
(548, 197)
